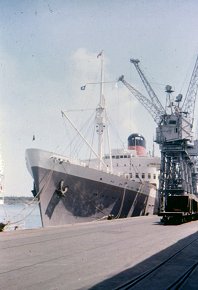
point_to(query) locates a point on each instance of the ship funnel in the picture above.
(137, 142)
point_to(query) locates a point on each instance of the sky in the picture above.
(48, 50)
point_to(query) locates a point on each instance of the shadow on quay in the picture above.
(168, 275)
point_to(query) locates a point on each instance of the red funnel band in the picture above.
(140, 150)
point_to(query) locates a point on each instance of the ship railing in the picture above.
(60, 160)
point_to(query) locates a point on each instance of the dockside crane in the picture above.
(190, 98)
(177, 192)
(152, 108)
(156, 102)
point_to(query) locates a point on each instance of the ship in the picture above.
(119, 184)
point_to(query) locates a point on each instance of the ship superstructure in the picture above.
(133, 163)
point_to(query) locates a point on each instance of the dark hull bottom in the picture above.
(85, 200)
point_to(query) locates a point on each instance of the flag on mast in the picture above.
(100, 54)
(83, 88)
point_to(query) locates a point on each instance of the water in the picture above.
(20, 215)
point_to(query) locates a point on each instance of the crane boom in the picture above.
(148, 104)
(156, 102)
(190, 98)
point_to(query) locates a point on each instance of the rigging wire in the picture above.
(73, 138)
(115, 131)
(92, 141)
(79, 144)
(9, 223)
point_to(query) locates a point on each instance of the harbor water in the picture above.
(20, 215)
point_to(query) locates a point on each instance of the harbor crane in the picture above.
(177, 192)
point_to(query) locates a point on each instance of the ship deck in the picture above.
(100, 255)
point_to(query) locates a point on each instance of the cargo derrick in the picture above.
(178, 196)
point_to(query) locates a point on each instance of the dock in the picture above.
(104, 254)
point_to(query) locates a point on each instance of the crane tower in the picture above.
(177, 192)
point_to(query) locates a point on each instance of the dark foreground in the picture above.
(134, 253)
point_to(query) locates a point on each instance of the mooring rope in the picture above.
(9, 223)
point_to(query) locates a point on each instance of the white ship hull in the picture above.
(90, 193)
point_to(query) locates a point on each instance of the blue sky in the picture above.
(48, 50)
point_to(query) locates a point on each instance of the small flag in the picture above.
(100, 54)
(83, 88)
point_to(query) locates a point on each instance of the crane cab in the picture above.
(173, 127)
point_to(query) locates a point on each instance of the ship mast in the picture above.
(100, 113)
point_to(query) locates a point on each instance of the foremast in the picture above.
(100, 114)
(100, 121)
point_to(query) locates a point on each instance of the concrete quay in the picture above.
(96, 255)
